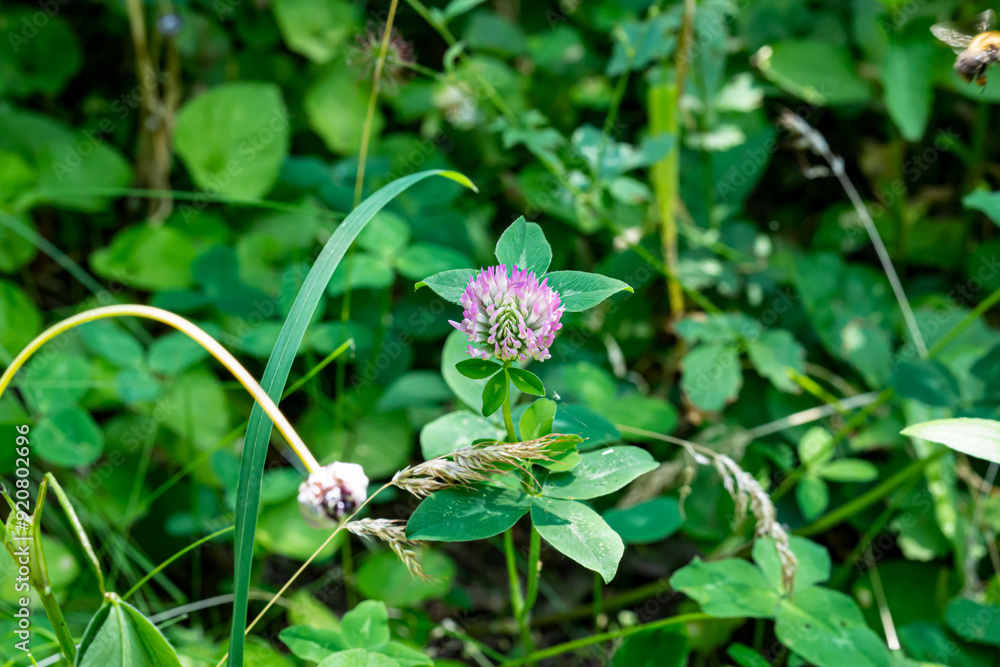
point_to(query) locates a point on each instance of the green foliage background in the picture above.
(252, 113)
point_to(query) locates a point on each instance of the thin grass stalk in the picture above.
(818, 145)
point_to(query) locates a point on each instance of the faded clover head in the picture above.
(509, 315)
(331, 493)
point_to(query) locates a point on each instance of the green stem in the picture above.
(516, 598)
(566, 647)
(534, 554)
(159, 568)
(508, 420)
(872, 496)
(598, 600)
(955, 331)
(59, 627)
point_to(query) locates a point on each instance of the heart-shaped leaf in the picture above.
(459, 515)
(581, 291)
(523, 245)
(580, 533)
(495, 393)
(599, 473)
(449, 285)
(120, 636)
(478, 369)
(527, 382)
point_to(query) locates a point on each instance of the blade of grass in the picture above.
(276, 374)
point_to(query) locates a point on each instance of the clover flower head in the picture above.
(510, 315)
(332, 492)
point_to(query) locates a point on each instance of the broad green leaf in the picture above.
(366, 625)
(819, 72)
(527, 382)
(423, 258)
(975, 437)
(984, 201)
(827, 629)
(537, 419)
(365, 272)
(358, 657)
(578, 532)
(414, 389)
(273, 382)
(730, 588)
(56, 382)
(234, 138)
(812, 566)
(336, 105)
(478, 369)
(64, 158)
(931, 642)
(175, 352)
(384, 577)
(19, 318)
(456, 429)
(26, 67)
(974, 622)
(849, 470)
(460, 515)
(648, 413)
(907, 76)
(711, 376)
(495, 393)
(120, 636)
(147, 258)
(599, 473)
(69, 438)
(405, 656)
(581, 291)
(315, 28)
(109, 341)
(200, 408)
(312, 643)
(813, 496)
(523, 245)
(647, 522)
(584, 422)
(927, 381)
(663, 647)
(449, 285)
(283, 532)
(713, 327)
(773, 354)
(816, 447)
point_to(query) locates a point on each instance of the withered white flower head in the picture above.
(331, 493)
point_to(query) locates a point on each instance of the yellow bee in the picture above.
(976, 51)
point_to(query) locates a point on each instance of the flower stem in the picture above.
(508, 420)
(196, 334)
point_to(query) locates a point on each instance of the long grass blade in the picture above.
(273, 382)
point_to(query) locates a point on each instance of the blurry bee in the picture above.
(976, 51)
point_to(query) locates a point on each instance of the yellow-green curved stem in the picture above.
(195, 333)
